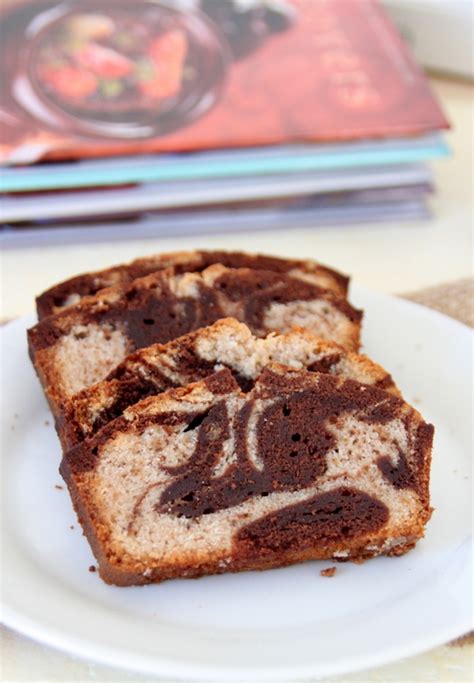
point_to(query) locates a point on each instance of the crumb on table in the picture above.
(330, 571)
(59, 487)
(92, 568)
(47, 423)
(71, 526)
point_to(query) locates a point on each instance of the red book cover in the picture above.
(82, 78)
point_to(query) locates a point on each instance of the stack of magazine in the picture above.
(161, 117)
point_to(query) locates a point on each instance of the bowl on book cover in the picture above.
(119, 69)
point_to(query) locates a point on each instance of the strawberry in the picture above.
(167, 54)
(169, 48)
(69, 81)
(103, 61)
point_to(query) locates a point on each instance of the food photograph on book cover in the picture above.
(95, 72)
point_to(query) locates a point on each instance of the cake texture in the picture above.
(226, 343)
(208, 479)
(80, 346)
(71, 291)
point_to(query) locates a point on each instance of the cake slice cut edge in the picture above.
(70, 292)
(82, 344)
(227, 343)
(207, 479)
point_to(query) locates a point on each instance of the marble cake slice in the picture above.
(207, 479)
(226, 343)
(71, 291)
(82, 344)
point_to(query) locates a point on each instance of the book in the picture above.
(282, 161)
(201, 193)
(196, 75)
(379, 206)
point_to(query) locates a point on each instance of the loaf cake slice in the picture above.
(207, 479)
(226, 343)
(82, 344)
(71, 291)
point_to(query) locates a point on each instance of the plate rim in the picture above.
(87, 651)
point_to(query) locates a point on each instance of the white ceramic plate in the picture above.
(283, 624)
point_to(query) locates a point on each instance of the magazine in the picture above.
(88, 78)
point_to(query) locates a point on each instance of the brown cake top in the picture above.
(163, 306)
(71, 291)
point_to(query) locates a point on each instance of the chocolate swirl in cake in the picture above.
(343, 512)
(71, 291)
(292, 438)
(82, 344)
(195, 356)
(207, 478)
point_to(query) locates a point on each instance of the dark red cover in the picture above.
(337, 71)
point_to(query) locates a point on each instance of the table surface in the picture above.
(387, 257)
